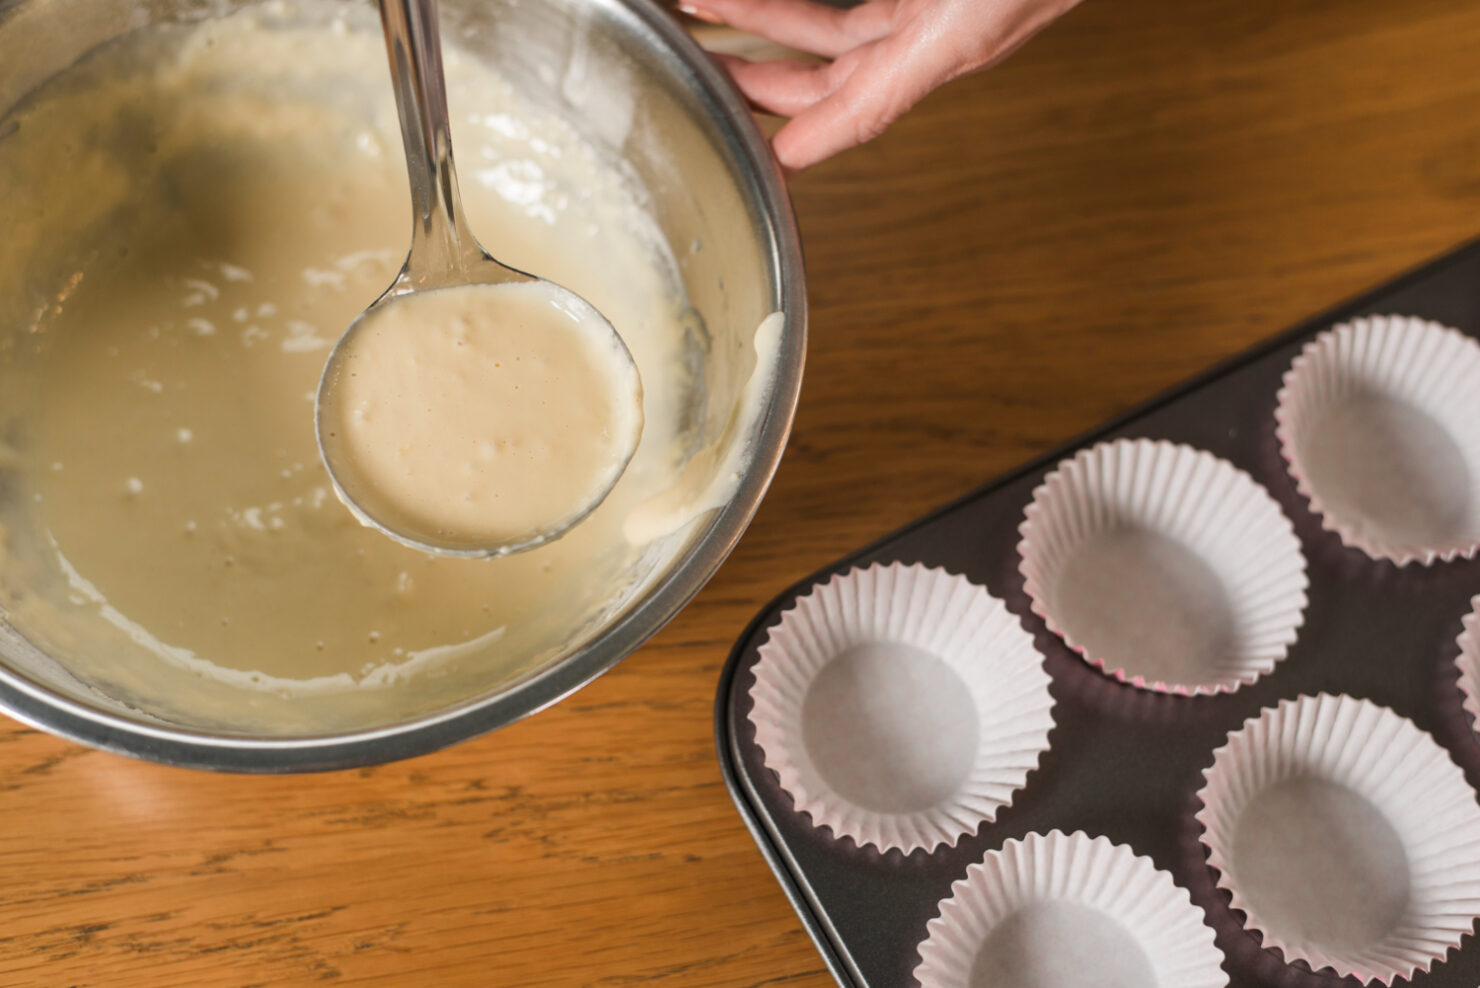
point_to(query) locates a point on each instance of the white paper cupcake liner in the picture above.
(1379, 419)
(900, 706)
(1166, 567)
(1468, 661)
(1346, 836)
(1068, 911)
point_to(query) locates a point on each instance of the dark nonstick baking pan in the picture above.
(1122, 762)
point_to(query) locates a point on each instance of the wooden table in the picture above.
(1147, 188)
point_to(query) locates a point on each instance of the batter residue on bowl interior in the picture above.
(193, 216)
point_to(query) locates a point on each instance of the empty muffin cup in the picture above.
(1068, 911)
(900, 706)
(1166, 567)
(1468, 662)
(1379, 419)
(1346, 836)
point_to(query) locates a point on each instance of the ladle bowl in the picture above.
(445, 256)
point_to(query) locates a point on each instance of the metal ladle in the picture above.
(444, 254)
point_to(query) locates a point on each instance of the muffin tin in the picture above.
(1126, 763)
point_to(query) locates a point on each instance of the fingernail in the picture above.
(700, 14)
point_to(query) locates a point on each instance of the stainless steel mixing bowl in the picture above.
(638, 86)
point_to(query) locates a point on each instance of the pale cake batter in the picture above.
(480, 415)
(193, 216)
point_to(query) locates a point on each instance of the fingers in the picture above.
(879, 70)
(784, 88)
(884, 83)
(832, 125)
(833, 105)
(801, 24)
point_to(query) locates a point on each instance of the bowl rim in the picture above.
(40, 707)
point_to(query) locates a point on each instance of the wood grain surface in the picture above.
(1150, 186)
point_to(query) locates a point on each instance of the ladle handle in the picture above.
(441, 245)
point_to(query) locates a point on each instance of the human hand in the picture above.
(882, 57)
